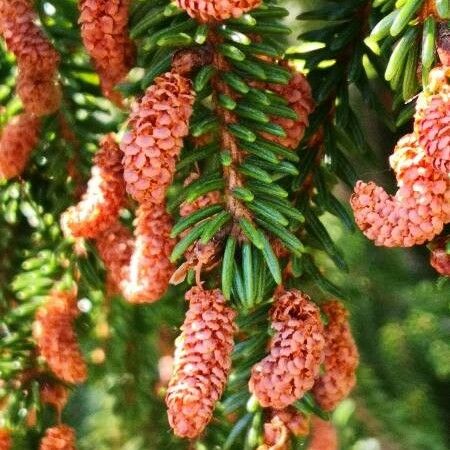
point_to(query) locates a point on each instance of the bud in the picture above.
(104, 30)
(55, 336)
(61, 437)
(54, 394)
(18, 139)
(341, 358)
(440, 256)
(296, 352)
(217, 10)
(202, 362)
(158, 123)
(99, 206)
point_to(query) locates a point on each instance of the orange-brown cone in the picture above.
(18, 139)
(5, 439)
(296, 352)
(61, 437)
(99, 207)
(202, 362)
(323, 436)
(55, 336)
(341, 359)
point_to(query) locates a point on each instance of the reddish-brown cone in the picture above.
(150, 269)
(104, 30)
(99, 206)
(158, 123)
(440, 256)
(432, 119)
(296, 352)
(115, 247)
(202, 362)
(5, 439)
(18, 139)
(36, 58)
(56, 340)
(341, 358)
(323, 436)
(217, 10)
(419, 209)
(61, 437)
(54, 394)
(298, 94)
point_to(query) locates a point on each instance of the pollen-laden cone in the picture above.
(54, 394)
(61, 437)
(217, 10)
(150, 268)
(280, 426)
(323, 436)
(104, 30)
(18, 139)
(158, 123)
(202, 362)
(296, 352)
(99, 207)
(432, 119)
(5, 439)
(440, 256)
(36, 58)
(115, 246)
(211, 198)
(341, 358)
(53, 330)
(419, 209)
(299, 97)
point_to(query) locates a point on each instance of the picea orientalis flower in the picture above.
(115, 246)
(296, 352)
(341, 358)
(55, 336)
(217, 10)
(432, 119)
(158, 123)
(150, 269)
(18, 139)
(104, 30)
(36, 58)
(418, 211)
(5, 439)
(61, 437)
(202, 362)
(105, 194)
(54, 394)
(323, 435)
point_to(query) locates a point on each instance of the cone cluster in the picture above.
(60, 437)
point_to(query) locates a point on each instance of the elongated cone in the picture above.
(5, 439)
(36, 58)
(115, 247)
(18, 139)
(419, 209)
(61, 437)
(158, 123)
(104, 30)
(150, 268)
(55, 336)
(217, 10)
(341, 359)
(99, 206)
(299, 97)
(202, 362)
(296, 352)
(440, 256)
(432, 119)
(323, 436)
